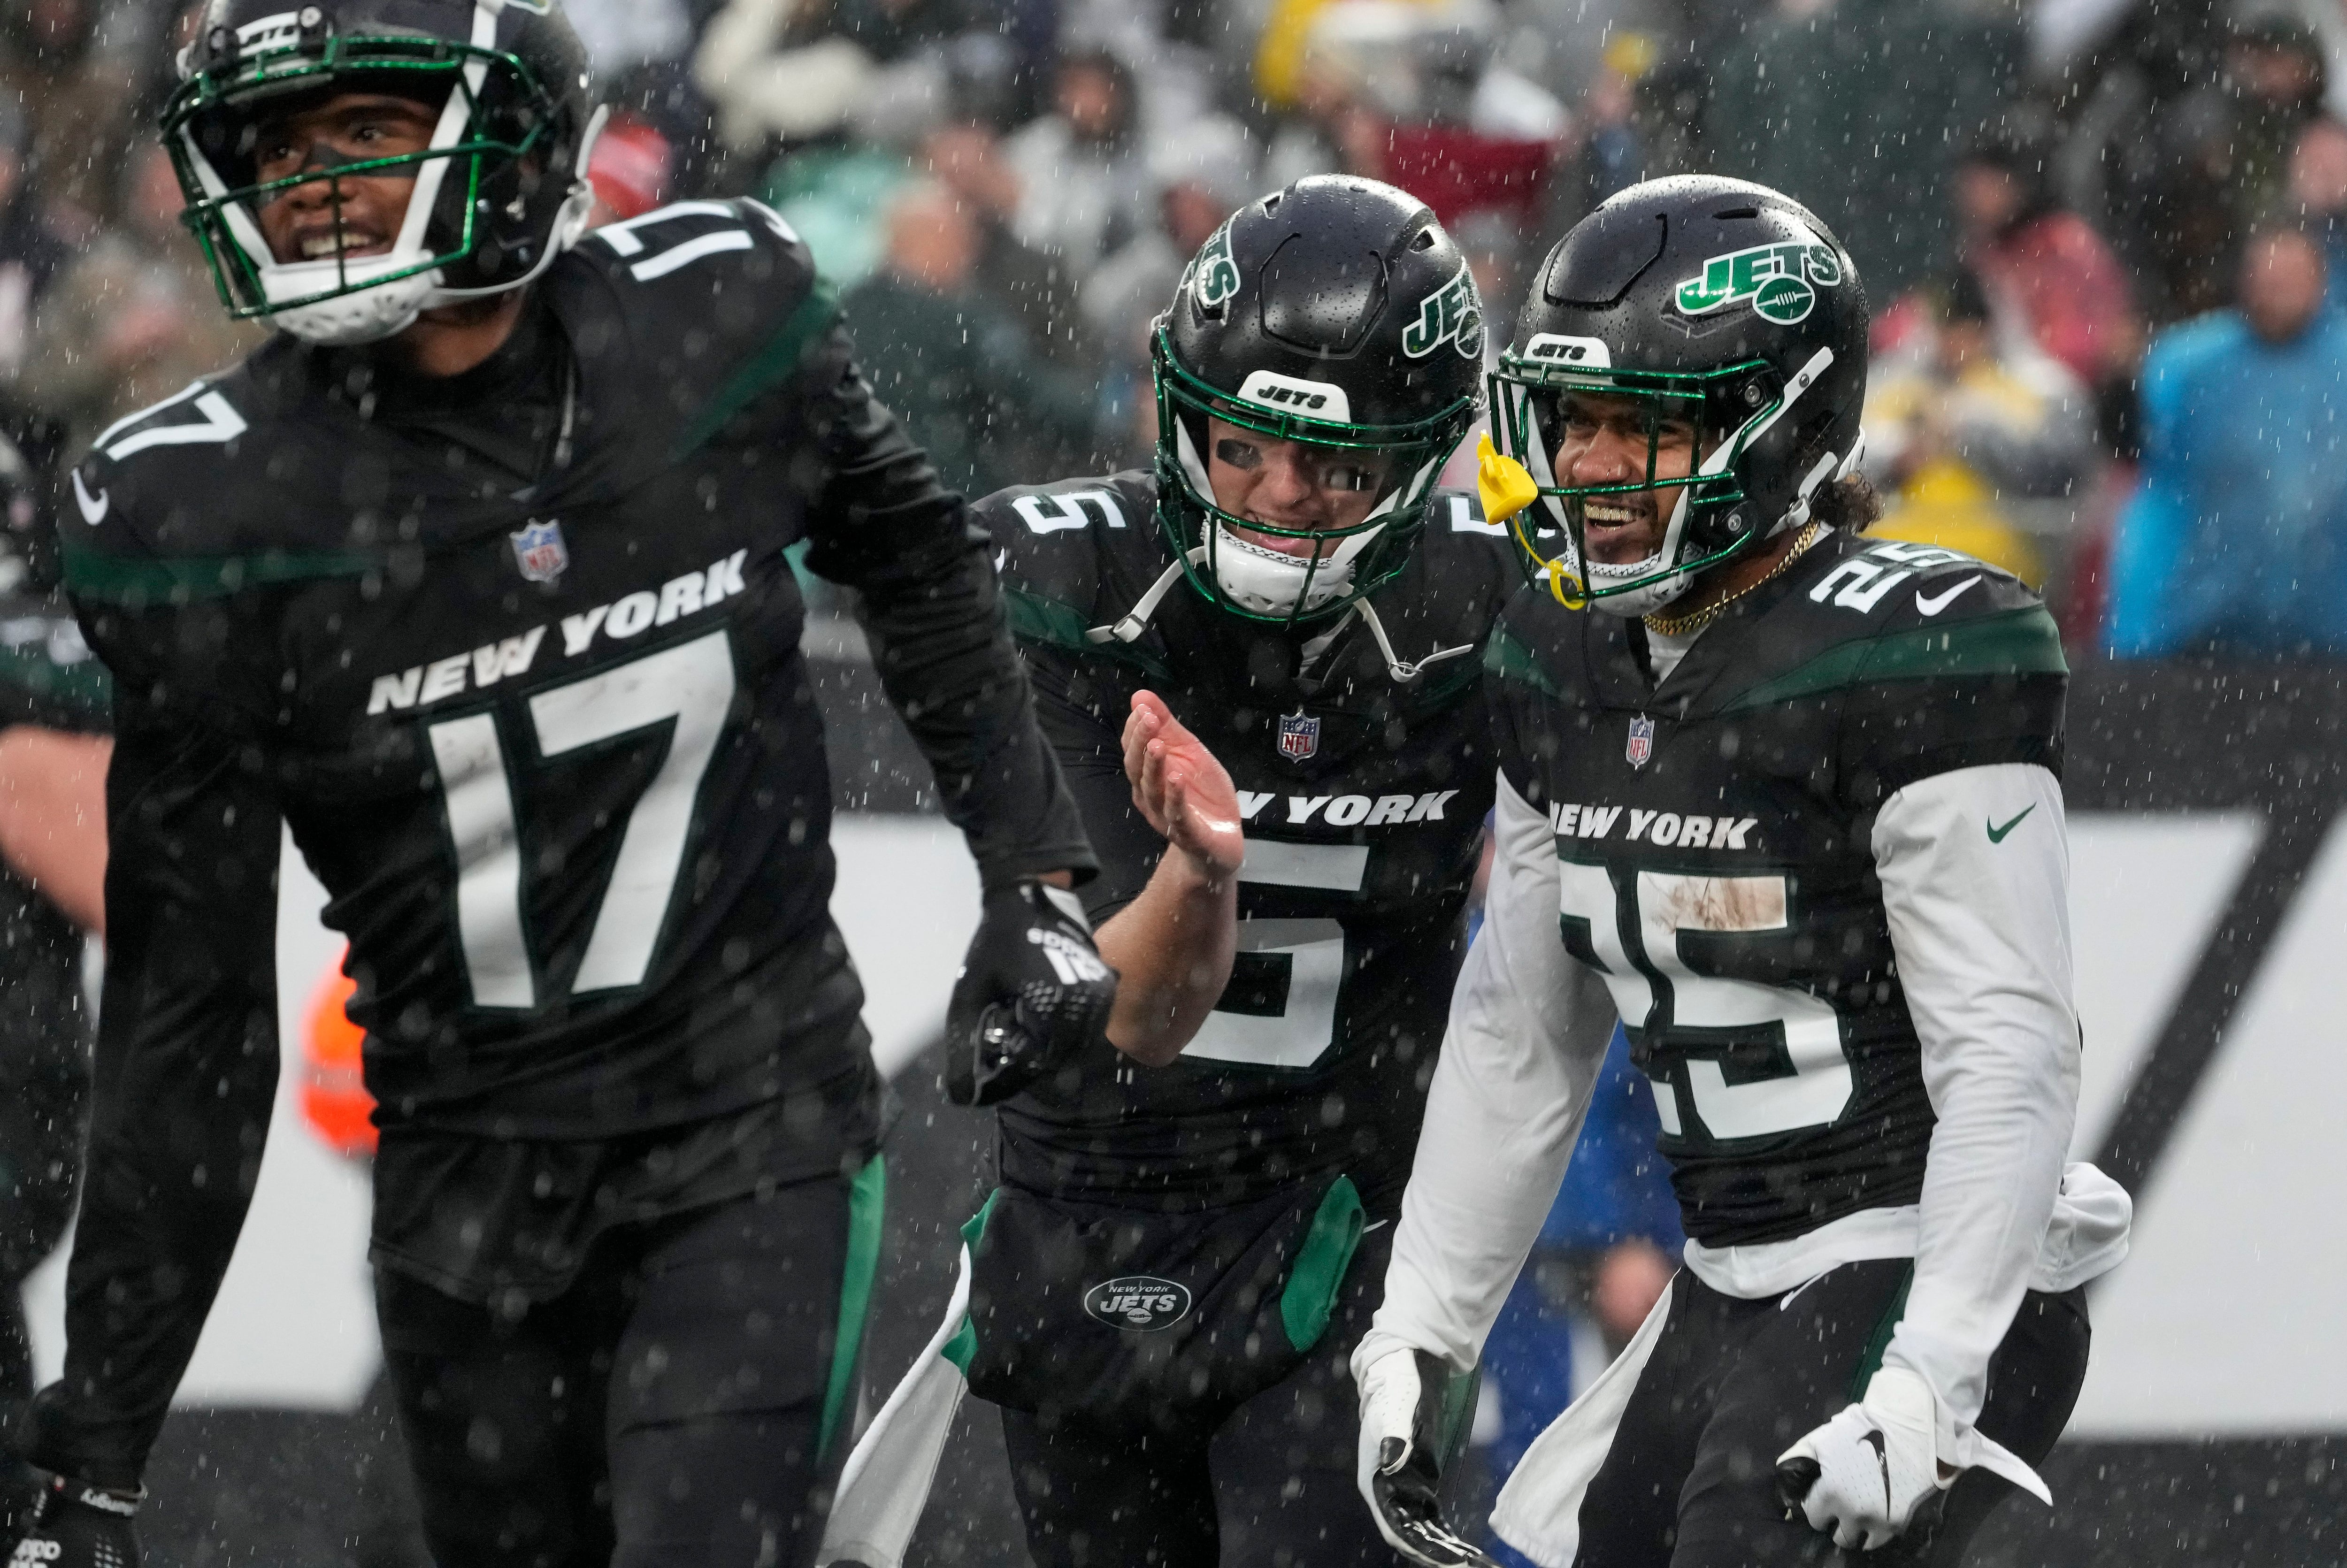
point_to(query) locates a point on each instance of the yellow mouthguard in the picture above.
(1500, 480)
(1507, 490)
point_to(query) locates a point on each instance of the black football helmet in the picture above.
(1714, 301)
(1336, 312)
(499, 194)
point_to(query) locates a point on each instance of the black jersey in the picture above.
(516, 656)
(1715, 836)
(1364, 799)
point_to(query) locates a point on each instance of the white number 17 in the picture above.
(693, 684)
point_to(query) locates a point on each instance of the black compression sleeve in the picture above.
(882, 523)
(187, 1073)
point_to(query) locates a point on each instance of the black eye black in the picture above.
(1237, 454)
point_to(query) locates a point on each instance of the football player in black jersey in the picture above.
(474, 577)
(1795, 793)
(1259, 664)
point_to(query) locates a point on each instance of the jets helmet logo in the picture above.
(1138, 1301)
(1452, 314)
(1215, 275)
(1780, 281)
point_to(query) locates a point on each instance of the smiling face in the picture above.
(356, 215)
(1605, 442)
(1290, 485)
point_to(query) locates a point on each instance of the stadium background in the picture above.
(2068, 212)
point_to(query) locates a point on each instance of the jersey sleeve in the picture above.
(882, 524)
(1526, 1037)
(1974, 864)
(1967, 672)
(186, 1076)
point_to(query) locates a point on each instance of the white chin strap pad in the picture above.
(1270, 583)
(1644, 600)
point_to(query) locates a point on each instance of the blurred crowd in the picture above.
(2099, 236)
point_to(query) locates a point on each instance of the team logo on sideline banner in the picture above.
(539, 551)
(1642, 741)
(1299, 735)
(1138, 1301)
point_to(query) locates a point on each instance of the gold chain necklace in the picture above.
(1696, 620)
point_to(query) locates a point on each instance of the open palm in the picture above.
(1179, 786)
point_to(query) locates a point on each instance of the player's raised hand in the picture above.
(1179, 786)
(81, 1526)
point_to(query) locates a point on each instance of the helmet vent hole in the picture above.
(1425, 240)
(1271, 202)
(1726, 213)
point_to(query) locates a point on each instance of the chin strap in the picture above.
(1402, 671)
(1136, 621)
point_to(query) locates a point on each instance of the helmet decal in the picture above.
(1562, 348)
(1293, 394)
(1450, 314)
(1214, 276)
(1777, 279)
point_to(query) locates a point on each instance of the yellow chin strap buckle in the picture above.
(1507, 490)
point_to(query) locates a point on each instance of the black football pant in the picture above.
(1270, 1487)
(1690, 1480)
(665, 1411)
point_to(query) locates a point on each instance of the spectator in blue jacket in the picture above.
(2237, 541)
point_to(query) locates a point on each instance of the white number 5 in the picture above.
(693, 684)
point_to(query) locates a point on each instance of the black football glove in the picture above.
(81, 1526)
(1033, 990)
(1398, 1471)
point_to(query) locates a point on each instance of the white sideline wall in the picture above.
(2218, 1324)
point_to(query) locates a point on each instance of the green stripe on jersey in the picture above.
(1510, 660)
(1052, 623)
(867, 1203)
(774, 364)
(2023, 641)
(115, 580)
(1870, 1361)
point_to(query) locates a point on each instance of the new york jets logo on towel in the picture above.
(1779, 281)
(1138, 1301)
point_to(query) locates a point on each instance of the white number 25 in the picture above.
(1817, 1090)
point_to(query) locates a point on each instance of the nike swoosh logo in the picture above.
(1882, 1457)
(1996, 835)
(1937, 602)
(93, 508)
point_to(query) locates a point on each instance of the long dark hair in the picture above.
(1848, 504)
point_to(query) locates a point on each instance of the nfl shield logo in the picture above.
(1299, 735)
(539, 551)
(1642, 741)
